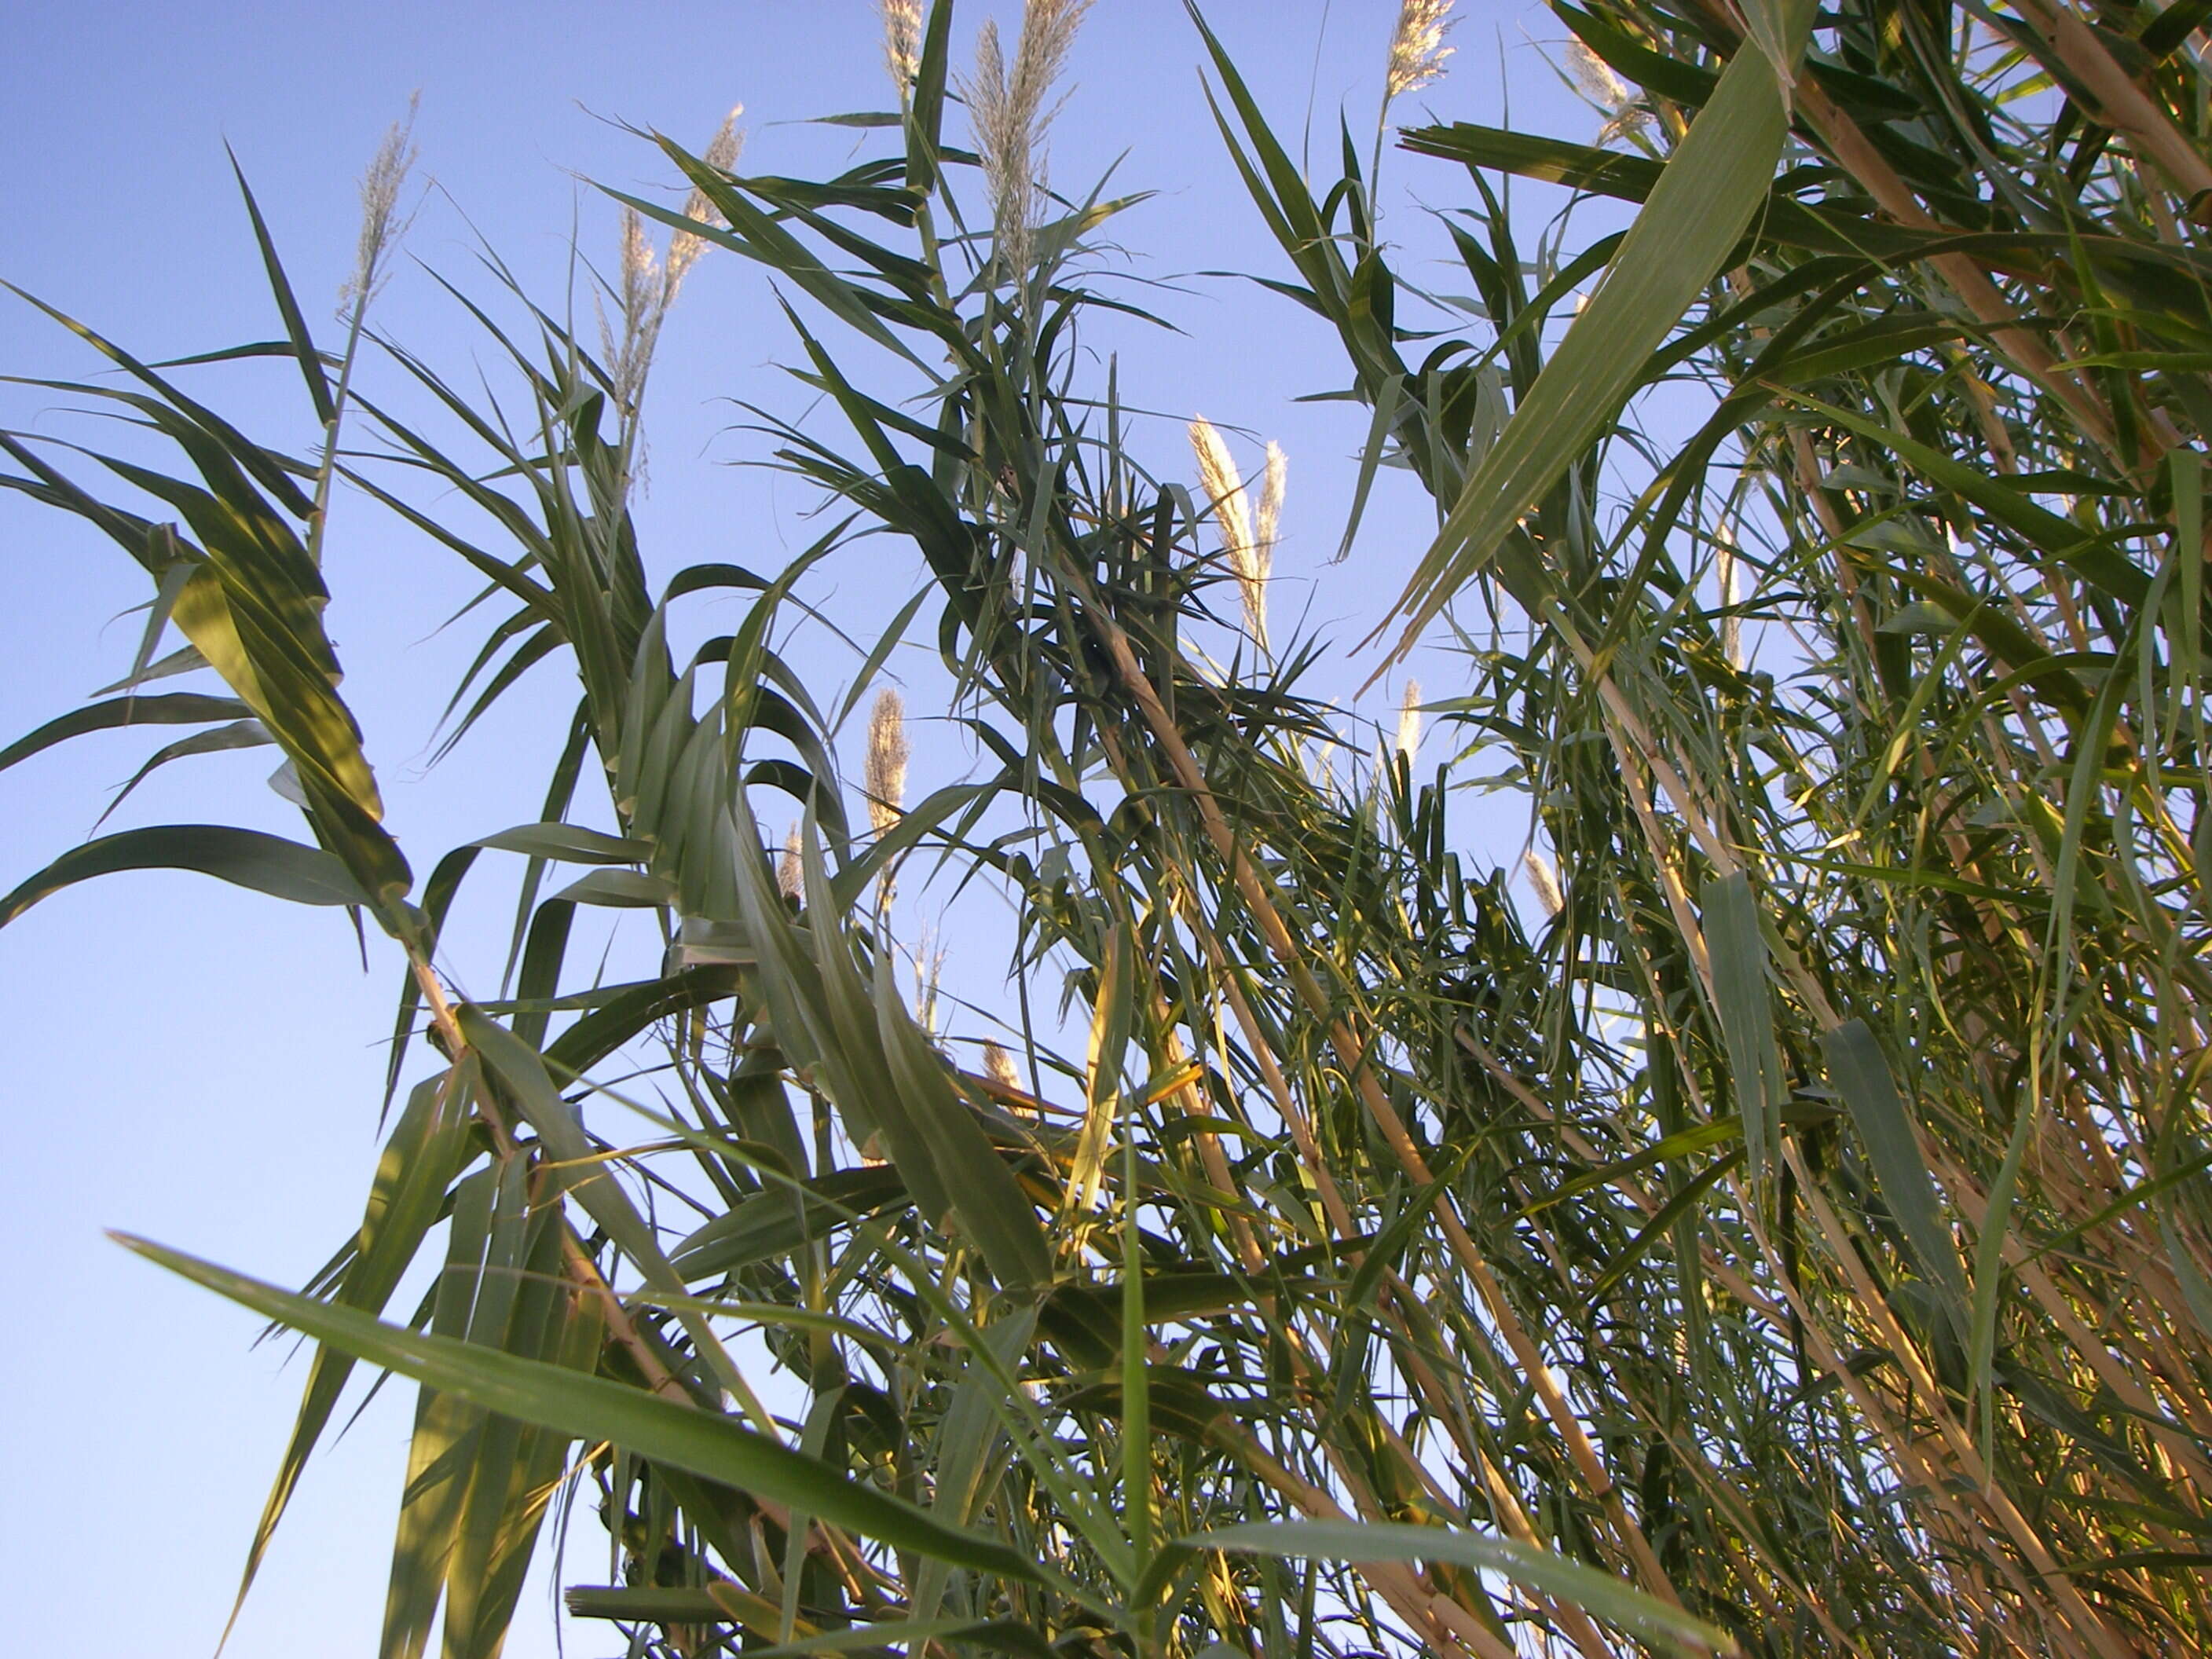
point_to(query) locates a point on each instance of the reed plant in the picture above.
(1789, 1233)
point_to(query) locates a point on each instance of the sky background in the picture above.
(204, 1066)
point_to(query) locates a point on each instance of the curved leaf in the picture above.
(704, 1442)
(1598, 1593)
(176, 709)
(245, 857)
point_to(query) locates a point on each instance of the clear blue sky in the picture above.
(203, 1066)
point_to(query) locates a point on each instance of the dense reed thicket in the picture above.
(1797, 1240)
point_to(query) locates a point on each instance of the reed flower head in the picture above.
(1418, 49)
(902, 41)
(1011, 117)
(1545, 880)
(928, 977)
(1594, 76)
(790, 868)
(1251, 555)
(381, 226)
(1267, 527)
(648, 284)
(1409, 722)
(999, 1068)
(641, 292)
(887, 757)
(685, 247)
(1223, 485)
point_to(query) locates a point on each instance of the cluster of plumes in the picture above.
(883, 777)
(381, 226)
(1010, 117)
(1418, 49)
(1625, 114)
(649, 284)
(1248, 538)
(902, 41)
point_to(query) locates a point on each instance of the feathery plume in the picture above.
(638, 265)
(1594, 76)
(1418, 49)
(1545, 880)
(1010, 118)
(902, 41)
(381, 226)
(1272, 484)
(790, 868)
(1223, 485)
(1250, 559)
(999, 1068)
(1625, 115)
(648, 284)
(887, 758)
(928, 974)
(1409, 722)
(685, 247)
(640, 294)
(884, 777)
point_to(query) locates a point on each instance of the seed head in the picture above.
(641, 295)
(791, 869)
(1010, 118)
(637, 262)
(928, 974)
(1418, 49)
(1273, 482)
(1249, 556)
(999, 1068)
(887, 758)
(685, 247)
(1625, 117)
(1596, 77)
(1409, 722)
(902, 41)
(381, 226)
(1545, 880)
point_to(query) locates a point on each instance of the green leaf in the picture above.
(1861, 1073)
(1746, 1008)
(424, 1152)
(926, 1118)
(1598, 1593)
(300, 342)
(238, 734)
(623, 890)
(568, 843)
(176, 709)
(703, 1442)
(245, 857)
